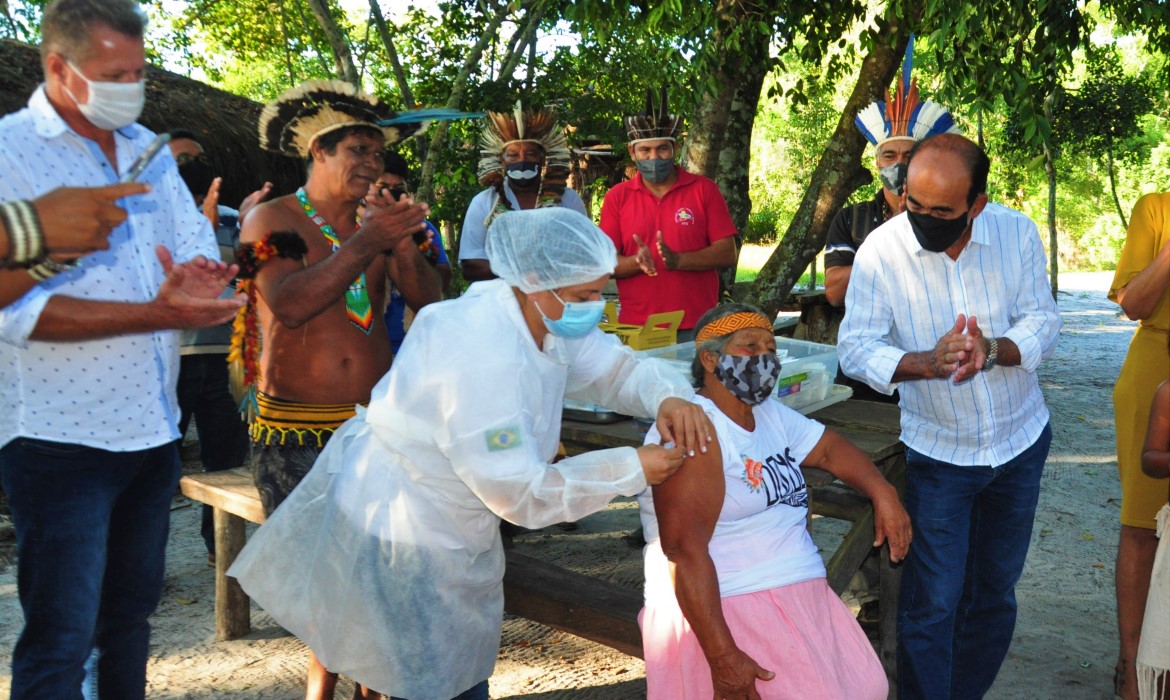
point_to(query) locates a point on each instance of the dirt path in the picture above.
(1065, 641)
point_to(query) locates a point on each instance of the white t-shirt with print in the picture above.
(761, 540)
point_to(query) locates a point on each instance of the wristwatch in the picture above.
(992, 354)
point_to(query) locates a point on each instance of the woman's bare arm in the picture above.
(1156, 451)
(842, 459)
(688, 505)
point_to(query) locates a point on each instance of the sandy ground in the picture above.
(1064, 646)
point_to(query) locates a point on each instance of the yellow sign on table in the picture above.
(659, 331)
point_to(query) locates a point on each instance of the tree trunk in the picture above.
(705, 137)
(320, 56)
(838, 174)
(12, 27)
(1050, 171)
(706, 133)
(1113, 185)
(420, 142)
(1053, 246)
(530, 79)
(392, 54)
(292, 74)
(338, 41)
(735, 157)
(455, 101)
(527, 36)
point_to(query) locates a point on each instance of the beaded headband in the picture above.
(730, 324)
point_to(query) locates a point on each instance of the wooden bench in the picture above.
(234, 498)
(587, 607)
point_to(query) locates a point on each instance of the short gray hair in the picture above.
(67, 24)
(716, 344)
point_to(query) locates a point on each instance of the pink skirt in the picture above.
(802, 632)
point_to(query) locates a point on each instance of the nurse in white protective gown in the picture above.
(387, 560)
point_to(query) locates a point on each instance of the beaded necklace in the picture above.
(357, 299)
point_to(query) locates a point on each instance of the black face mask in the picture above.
(198, 176)
(935, 234)
(524, 175)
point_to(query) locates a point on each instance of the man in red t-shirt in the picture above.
(671, 228)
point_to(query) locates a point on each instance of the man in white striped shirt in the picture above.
(949, 302)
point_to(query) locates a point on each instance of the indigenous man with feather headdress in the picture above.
(524, 162)
(893, 126)
(671, 227)
(318, 280)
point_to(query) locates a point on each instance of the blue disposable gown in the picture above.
(386, 560)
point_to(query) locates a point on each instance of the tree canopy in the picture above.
(1070, 98)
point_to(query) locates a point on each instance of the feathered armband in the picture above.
(244, 354)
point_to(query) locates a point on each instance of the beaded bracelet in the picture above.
(26, 239)
(45, 268)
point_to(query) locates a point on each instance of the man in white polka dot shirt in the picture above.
(89, 359)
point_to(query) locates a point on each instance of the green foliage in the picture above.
(1003, 61)
(1004, 49)
(22, 20)
(791, 130)
(764, 225)
(1149, 17)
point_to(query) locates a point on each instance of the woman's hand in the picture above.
(891, 523)
(684, 424)
(734, 675)
(659, 462)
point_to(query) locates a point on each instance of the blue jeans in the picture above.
(91, 533)
(223, 436)
(477, 692)
(957, 608)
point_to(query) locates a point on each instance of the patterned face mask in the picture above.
(750, 377)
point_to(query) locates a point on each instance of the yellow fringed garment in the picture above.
(277, 422)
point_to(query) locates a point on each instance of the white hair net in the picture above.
(548, 248)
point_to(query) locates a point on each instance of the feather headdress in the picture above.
(538, 126)
(301, 115)
(903, 115)
(653, 124)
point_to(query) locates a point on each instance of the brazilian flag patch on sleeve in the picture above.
(503, 439)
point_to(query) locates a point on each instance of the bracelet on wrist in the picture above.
(46, 268)
(26, 239)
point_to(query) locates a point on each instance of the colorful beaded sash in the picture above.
(357, 299)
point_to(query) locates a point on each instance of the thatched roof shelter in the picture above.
(225, 122)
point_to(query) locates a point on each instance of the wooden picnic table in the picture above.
(874, 428)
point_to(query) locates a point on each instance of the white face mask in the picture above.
(111, 105)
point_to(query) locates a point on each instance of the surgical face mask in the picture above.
(655, 170)
(935, 234)
(893, 177)
(750, 377)
(578, 318)
(524, 174)
(111, 105)
(197, 174)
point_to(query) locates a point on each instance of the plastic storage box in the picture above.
(807, 370)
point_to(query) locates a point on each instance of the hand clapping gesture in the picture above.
(644, 257)
(188, 297)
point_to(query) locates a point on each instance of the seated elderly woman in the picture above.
(737, 604)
